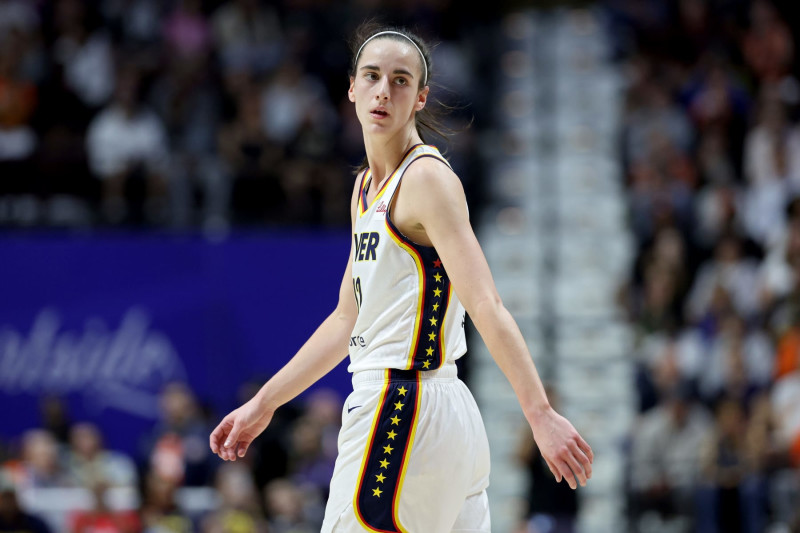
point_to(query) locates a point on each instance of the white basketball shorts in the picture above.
(413, 456)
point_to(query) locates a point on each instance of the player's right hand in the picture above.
(236, 432)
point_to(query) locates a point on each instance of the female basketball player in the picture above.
(413, 453)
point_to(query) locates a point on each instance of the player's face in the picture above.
(385, 88)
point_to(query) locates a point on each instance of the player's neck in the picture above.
(385, 154)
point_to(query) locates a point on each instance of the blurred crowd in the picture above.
(192, 113)
(201, 113)
(173, 484)
(711, 148)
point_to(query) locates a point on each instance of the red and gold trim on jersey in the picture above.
(363, 206)
(383, 468)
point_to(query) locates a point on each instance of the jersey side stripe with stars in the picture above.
(409, 317)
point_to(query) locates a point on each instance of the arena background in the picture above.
(174, 186)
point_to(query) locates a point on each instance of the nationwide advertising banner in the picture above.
(105, 322)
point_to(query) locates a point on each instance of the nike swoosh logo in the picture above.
(351, 408)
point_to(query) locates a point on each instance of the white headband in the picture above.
(424, 64)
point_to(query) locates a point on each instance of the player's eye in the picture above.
(401, 81)
(372, 76)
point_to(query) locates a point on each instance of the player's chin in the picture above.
(378, 125)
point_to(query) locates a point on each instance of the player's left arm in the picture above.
(434, 203)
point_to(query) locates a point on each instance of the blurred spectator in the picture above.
(240, 509)
(663, 361)
(77, 81)
(310, 466)
(41, 464)
(313, 441)
(127, 147)
(719, 200)
(291, 99)
(656, 200)
(285, 508)
(89, 464)
(768, 47)
(187, 101)
(248, 35)
(714, 98)
(729, 271)
(14, 519)
(651, 116)
(733, 494)
(254, 163)
(739, 362)
(18, 100)
(187, 33)
(777, 278)
(771, 146)
(667, 251)
(136, 26)
(658, 307)
(17, 15)
(160, 512)
(177, 448)
(83, 53)
(297, 115)
(665, 462)
(772, 168)
(101, 519)
(324, 407)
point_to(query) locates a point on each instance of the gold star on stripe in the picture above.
(377, 492)
(438, 277)
(435, 307)
(402, 391)
(384, 463)
(388, 449)
(437, 292)
(433, 321)
(429, 351)
(391, 435)
(426, 364)
(398, 406)
(395, 421)
(380, 478)
(432, 336)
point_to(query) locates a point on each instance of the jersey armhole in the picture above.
(362, 201)
(390, 203)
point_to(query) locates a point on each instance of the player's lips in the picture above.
(379, 113)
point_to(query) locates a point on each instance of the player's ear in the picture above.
(350, 94)
(422, 98)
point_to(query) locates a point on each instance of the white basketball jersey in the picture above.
(409, 317)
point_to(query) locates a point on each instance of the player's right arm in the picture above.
(325, 349)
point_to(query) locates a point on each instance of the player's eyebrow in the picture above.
(396, 71)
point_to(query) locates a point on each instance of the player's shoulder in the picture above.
(431, 171)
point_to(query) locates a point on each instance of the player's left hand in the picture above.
(564, 450)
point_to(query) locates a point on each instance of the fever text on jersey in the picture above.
(366, 245)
